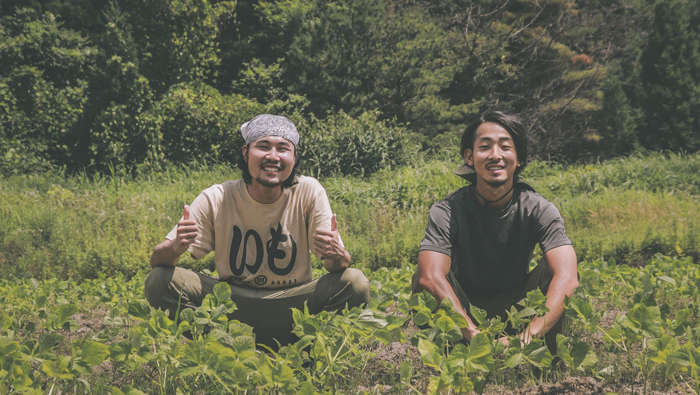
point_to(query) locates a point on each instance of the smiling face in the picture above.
(270, 160)
(492, 155)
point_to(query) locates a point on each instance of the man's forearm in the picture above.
(164, 255)
(440, 288)
(561, 262)
(559, 287)
(333, 265)
(432, 271)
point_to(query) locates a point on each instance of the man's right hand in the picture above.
(187, 232)
(471, 331)
(432, 271)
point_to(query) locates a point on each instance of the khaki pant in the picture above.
(267, 311)
(497, 305)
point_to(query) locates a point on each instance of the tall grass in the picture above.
(627, 208)
(52, 225)
(664, 173)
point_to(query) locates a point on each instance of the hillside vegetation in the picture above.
(135, 85)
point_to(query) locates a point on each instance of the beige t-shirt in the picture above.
(260, 245)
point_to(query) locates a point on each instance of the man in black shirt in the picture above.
(480, 239)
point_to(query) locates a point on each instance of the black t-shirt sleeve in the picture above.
(439, 235)
(551, 233)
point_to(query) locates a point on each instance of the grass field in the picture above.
(74, 250)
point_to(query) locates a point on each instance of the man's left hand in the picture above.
(506, 343)
(327, 242)
(525, 339)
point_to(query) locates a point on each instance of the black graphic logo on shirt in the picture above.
(260, 280)
(274, 253)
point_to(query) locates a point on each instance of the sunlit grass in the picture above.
(76, 226)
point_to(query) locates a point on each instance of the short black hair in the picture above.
(292, 180)
(511, 124)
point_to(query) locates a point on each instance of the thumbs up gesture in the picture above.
(327, 242)
(187, 231)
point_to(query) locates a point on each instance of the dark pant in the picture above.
(268, 311)
(497, 305)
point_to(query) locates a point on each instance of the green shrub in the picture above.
(36, 120)
(194, 122)
(42, 91)
(340, 144)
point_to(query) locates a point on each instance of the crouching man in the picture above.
(479, 240)
(262, 230)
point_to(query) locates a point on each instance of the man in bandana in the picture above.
(479, 240)
(262, 229)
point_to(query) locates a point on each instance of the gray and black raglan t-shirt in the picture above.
(491, 251)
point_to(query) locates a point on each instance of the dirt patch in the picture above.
(88, 325)
(93, 322)
(396, 352)
(377, 389)
(580, 386)
(570, 385)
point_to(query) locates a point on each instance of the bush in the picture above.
(42, 91)
(340, 144)
(194, 122)
(36, 120)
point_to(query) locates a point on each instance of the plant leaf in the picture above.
(430, 354)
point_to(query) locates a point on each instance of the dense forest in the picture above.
(135, 85)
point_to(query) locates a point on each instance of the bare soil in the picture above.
(580, 386)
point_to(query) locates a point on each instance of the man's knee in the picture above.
(358, 284)
(158, 283)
